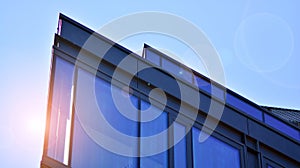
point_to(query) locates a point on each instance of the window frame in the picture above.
(268, 162)
(225, 139)
(46, 159)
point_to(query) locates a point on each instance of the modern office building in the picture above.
(105, 110)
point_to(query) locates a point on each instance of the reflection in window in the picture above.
(177, 70)
(170, 66)
(152, 57)
(213, 153)
(61, 111)
(88, 153)
(151, 128)
(180, 147)
(203, 84)
(209, 88)
(185, 74)
(245, 107)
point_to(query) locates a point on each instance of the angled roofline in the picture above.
(214, 83)
(95, 33)
(264, 109)
(204, 77)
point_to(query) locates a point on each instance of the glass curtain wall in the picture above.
(213, 152)
(87, 150)
(61, 111)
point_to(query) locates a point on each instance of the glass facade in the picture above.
(180, 153)
(153, 128)
(245, 107)
(88, 151)
(177, 70)
(61, 111)
(95, 155)
(152, 57)
(213, 153)
(231, 98)
(81, 130)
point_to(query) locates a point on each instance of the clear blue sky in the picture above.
(258, 43)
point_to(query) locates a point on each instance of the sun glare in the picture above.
(35, 125)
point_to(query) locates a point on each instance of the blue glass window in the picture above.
(213, 153)
(282, 126)
(217, 92)
(180, 147)
(211, 89)
(203, 84)
(177, 70)
(61, 111)
(152, 128)
(248, 109)
(170, 66)
(185, 74)
(152, 57)
(87, 151)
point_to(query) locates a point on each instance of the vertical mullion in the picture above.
(189, 148)
(139, 116)
(261, 161)
(139, 131)
(171, 145)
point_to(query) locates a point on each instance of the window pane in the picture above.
(170, 66)
(152, 57)
(203, 84)
(209, 88)
(180, 147)
(245, 107)
(61, 111)
(86, 151)
(213, 153)
(185, 74)
(150, 128)
(177, 70)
